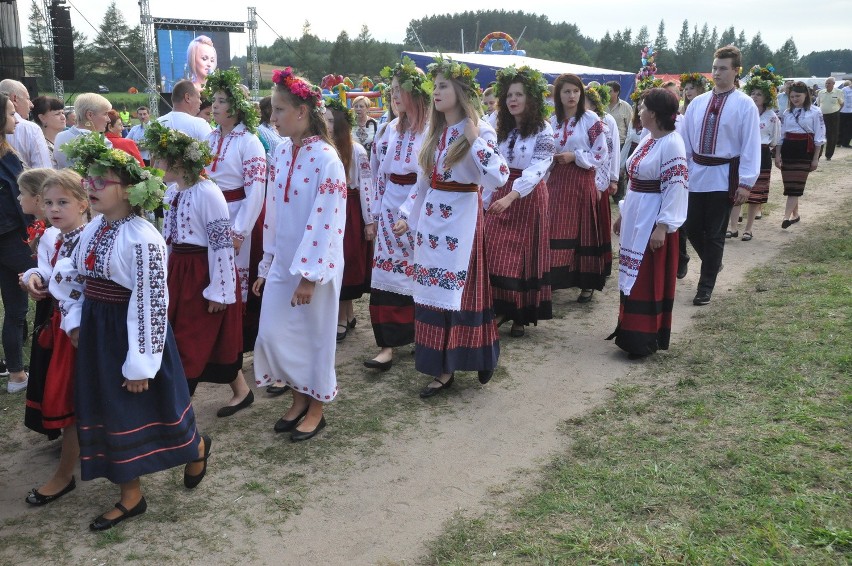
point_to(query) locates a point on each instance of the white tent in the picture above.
(488, 65)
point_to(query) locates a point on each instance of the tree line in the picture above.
(99, 61)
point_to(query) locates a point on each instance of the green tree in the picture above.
(339, 60)
(786, 60)
(728, 37)
(757, 53)
(38, 53)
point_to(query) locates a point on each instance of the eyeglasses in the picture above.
(97, 183)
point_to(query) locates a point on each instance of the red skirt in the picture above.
(517, 248)
(464, 340)
(56, 406)
(645, 317)
(575, 247)
(203, 338)
(760, 191)
(357, 252)
(392, 318)
(605, 232)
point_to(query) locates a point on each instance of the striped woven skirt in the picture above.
(464, 340)
(392, 318)
(357, 251)
(39, 362)
(517, 249)
(796, 165)
(575, 247)
(645, 317)
(125, 435)
(605, 232)
(760, 191)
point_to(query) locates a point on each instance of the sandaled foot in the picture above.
(585, 296)
(746, 236)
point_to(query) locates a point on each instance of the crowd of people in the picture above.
(156, 260)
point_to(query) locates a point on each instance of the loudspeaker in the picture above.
(32, 86)
(63, 42)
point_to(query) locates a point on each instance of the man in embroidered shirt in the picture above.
(721, 133)
(28, 139)
(137, 132)
(831, 101)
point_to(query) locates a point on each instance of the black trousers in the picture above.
(845, 135)
(832, 126)
(706, 222)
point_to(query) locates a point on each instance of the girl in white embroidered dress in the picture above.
(302, 268)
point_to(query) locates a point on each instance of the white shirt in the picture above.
(192, 126)
(847, 100)
(533, 155)
(801, 121)
(137, 133)
(770, 128)
(28, 140)
(735, 133)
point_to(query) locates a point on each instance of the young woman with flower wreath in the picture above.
(581, 148)
(762, 86)
(517, 222)
(360, 226)
(391, 304)
(50, 394)
(131, 401)
(692, 85)
(461, 167)
(650, 214)
(239, 169)
(205, 310)
(302, 269)
(606, 177)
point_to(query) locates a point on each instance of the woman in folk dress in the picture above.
(239, 168)
(302, 269)
(461, 165)
(517, 223)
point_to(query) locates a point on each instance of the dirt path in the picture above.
(384, 504)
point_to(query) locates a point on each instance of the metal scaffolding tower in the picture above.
(254, 69)
(147, 24)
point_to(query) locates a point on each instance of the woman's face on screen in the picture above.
(205, 60)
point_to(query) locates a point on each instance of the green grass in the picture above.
(733, 448)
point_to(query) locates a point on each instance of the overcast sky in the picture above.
(827, 27)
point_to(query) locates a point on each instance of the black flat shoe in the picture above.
(229, 410)
(682, 270)
(103, 524)
(701, 298)
(342, 335)
(432, 391)
(298, 435)
(485, 375)
(381, 366)
(283, 425)
(586, 296)
(794, 220)
(786, 224)
(517, 331)
(352, 323)
(276, 390)
(37, 499)
(191, 482)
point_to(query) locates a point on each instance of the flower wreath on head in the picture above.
(299, 87)
(457, 71)
(645, 84)
(178, 149)
(92, 157)
(334, 103)
(765, 80)
(410, 78)
(535, 85)
(600, 97)
(697, 79)
(228, 81)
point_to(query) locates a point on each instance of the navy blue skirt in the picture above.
(125, 435)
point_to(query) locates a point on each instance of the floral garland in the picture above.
(334, 103)
(535, 85)
(455, 70)
(178, 149)
(92, 157)
(697, 79)
(599, 95)
(645, 77)
(765, 80)
(298, 86)
(35, 230)
(228, 81)
(410, 78)
(643, 85)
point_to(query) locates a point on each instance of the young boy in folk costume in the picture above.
(50, 399)
(302, 268)
(132, 403)
(461, 167)
(239, 168)
(205, 309)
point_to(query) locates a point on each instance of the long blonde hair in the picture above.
(471, 108)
